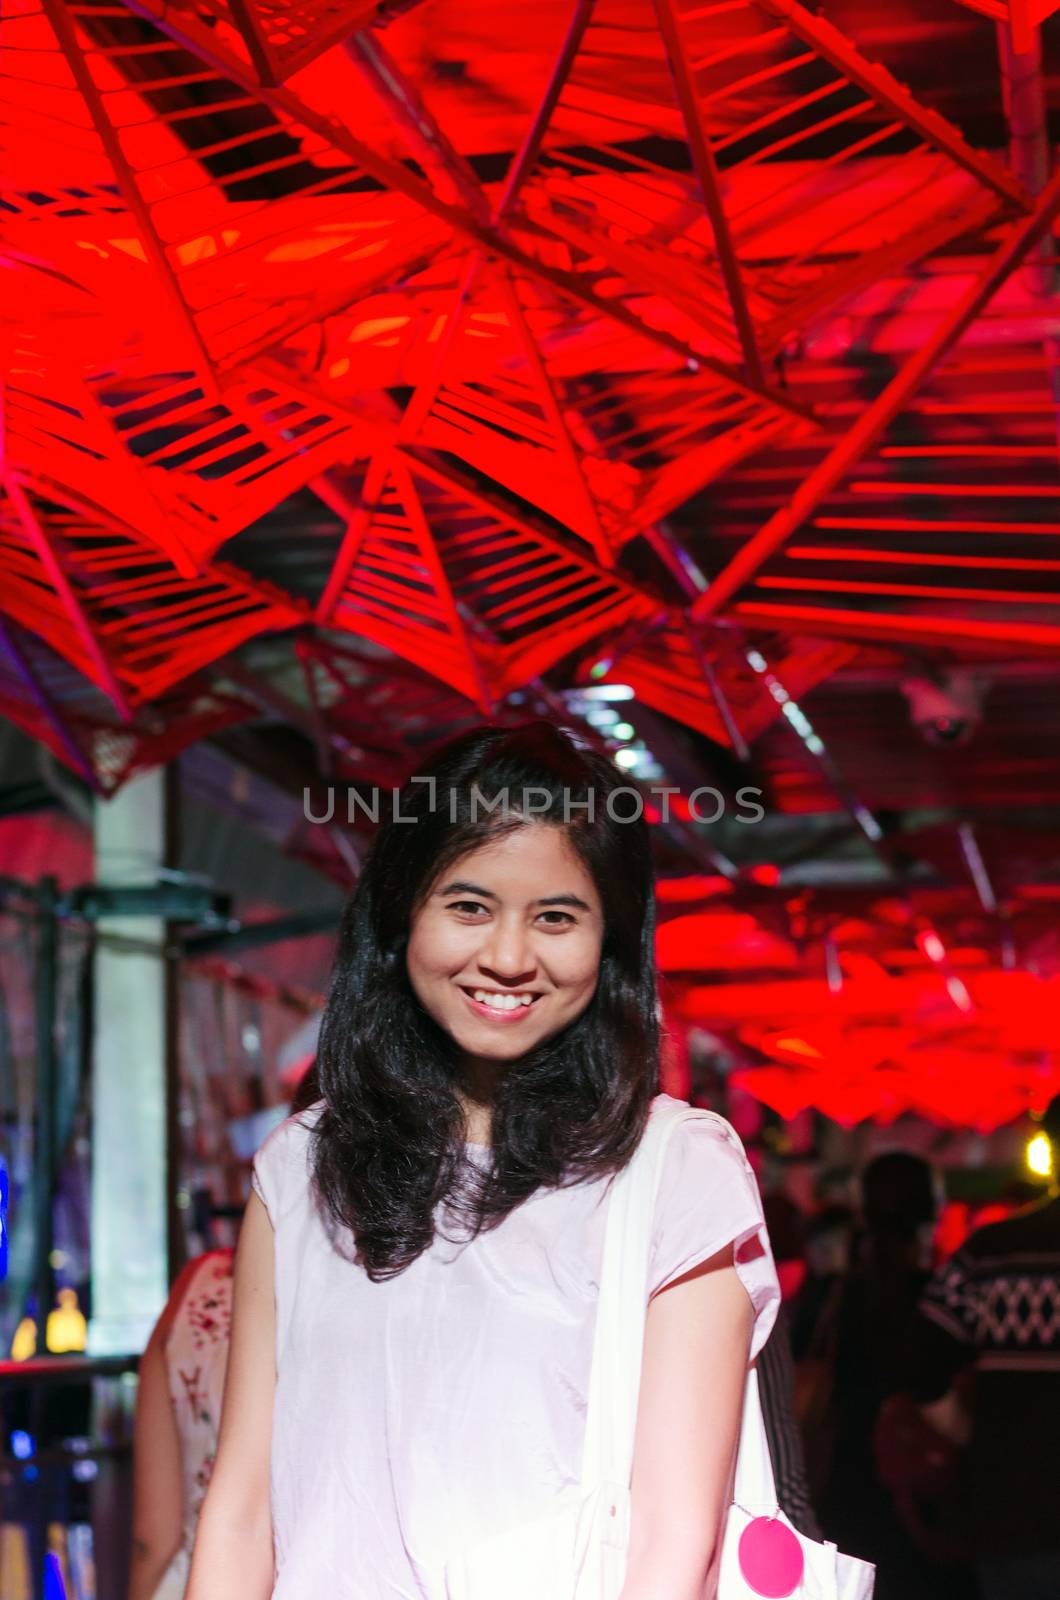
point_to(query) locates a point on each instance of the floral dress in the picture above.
(196, 1355)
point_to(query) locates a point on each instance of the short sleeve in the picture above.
(708, 1198)
(266, 1172)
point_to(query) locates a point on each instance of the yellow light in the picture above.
(66, 1328)
(1040, 1156)
(24, 1344)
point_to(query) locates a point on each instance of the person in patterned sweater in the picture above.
(993, 1310)
(178, 1413)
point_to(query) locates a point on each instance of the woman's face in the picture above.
(517, 922)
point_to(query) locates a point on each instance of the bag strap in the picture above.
(754, 1488)
(618, 1342)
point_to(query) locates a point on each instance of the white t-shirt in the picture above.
(445, 1404)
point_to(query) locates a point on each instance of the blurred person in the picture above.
(786, 1225)
(400, 1393)
(178, 1405)
(992, 1314)
(827, 1240)
(178, 1413)
(835, 1186)
(861, 1339)
(813, 1317)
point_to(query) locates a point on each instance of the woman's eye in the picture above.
(469, 907)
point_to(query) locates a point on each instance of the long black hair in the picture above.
(387, 1147)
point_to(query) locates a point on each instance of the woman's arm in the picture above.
(233, 1546)
(696, 1349)
(158, 1491)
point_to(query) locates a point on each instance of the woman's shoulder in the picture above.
(292, 1133)
(283, 1152)
(698, 1129)
(706, 1177)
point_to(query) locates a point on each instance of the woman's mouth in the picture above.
(507, 1007)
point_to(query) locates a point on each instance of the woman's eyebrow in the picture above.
(460, 887)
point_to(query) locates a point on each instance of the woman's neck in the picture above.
(476, 1093)
(477, 1126)
(477, 1118)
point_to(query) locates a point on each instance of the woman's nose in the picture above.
(506, 950)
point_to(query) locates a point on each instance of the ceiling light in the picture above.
(608, 691)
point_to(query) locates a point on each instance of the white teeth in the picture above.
(501, 1002)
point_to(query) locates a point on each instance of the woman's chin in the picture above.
(486, 1047)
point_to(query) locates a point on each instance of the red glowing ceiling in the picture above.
(506, 290)
(868, 1009)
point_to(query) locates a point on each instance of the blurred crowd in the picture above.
(926, 1386)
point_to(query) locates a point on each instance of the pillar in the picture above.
(129, 1078)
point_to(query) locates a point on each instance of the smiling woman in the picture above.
(413, 1337)
(501, 870)
(501, 967)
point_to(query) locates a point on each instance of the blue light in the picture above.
(22, 1446)
(54, 1587)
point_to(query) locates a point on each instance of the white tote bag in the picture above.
(579, 1550)
(774, 1554)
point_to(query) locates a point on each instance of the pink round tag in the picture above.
(771, 1558)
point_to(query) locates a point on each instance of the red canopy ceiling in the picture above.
(505, 289)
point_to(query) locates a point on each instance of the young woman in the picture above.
(417, 1274)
